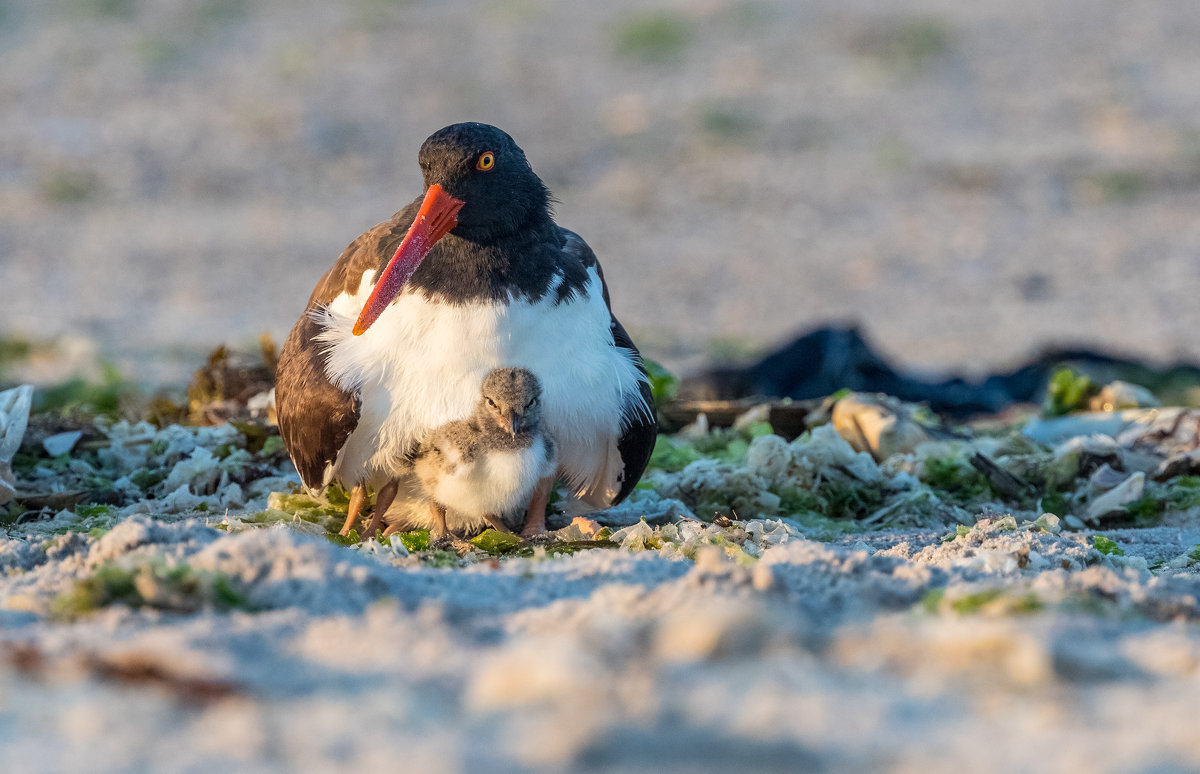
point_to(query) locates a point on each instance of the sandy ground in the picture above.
(969, 182)
(816, 658)
(254, 643)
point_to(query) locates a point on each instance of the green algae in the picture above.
(991, 601)
(1068, 391)
(156, 585)
(495, 542)
(956, 478)
(415, 541)
(663, 384)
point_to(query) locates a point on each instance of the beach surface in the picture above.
(969, 182)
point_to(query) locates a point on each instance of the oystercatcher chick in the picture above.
(486, 467)
(471, 276)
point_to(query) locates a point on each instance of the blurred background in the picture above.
(968, 181)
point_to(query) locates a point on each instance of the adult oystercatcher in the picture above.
(487, 465)
(472, 276)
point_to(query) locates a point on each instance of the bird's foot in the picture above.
(450, 542)
(534, 529)
(496, 523)
(539, 539)
(371, 529)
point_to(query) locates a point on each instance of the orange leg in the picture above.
(535, 516)
(358, 498)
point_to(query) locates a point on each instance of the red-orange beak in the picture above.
(437, 216)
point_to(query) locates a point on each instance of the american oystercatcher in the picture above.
(488, 465)
(472, 276)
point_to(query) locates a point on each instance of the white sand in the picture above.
(970, 181)
(819, 657)
(691, 647)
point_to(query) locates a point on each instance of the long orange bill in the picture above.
(437, 216)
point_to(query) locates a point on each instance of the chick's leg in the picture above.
(440, 530)
(535, 516)
(441, 538)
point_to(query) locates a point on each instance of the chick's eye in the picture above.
(532, 402)
(486, 162)
(491, 403)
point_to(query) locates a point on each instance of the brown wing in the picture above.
(316, 417)
(637, 442)
(372, 250)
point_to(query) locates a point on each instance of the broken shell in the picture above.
(1049, 522)
(825, 451)
(1059, 429)
(1104, 479)
(1111, 502)
(877, 424)
(586, 526)
(61, 443)
(1186, 464)
(1169, 432)
(14, 417)
(1119, 395)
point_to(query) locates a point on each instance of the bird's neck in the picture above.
(517, 223)
(505, 236)
(463, 270)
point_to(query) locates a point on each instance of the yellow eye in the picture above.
(486, 162)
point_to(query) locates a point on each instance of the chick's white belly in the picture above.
(494, 482)
(422, 362)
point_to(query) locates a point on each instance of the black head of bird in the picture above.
(511, 398)
(483, 167)
(478, 186)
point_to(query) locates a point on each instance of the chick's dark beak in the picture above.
(507, 421)
(518, 424)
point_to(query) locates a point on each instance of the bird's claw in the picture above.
(450, 542)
